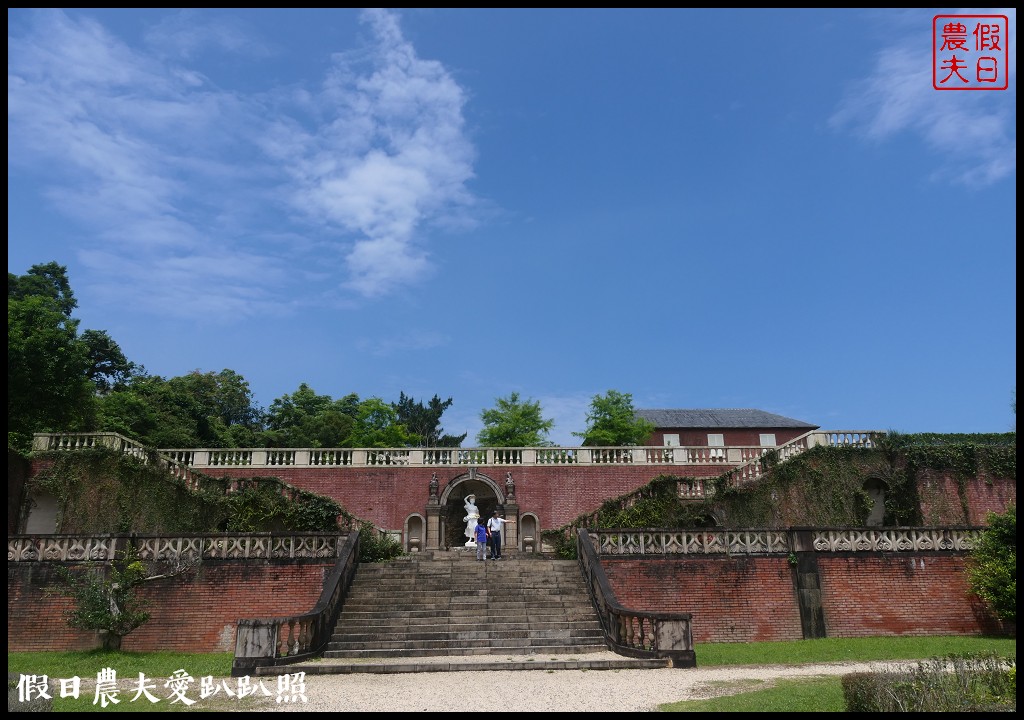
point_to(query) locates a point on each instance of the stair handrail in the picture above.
(264, 642)
(634, 633)
(754, 469)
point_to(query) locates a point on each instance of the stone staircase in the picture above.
(446, 611)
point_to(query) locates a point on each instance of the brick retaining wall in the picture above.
(196, 615)
(752, 599)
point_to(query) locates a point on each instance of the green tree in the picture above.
(48, 388)
(193, 410)
(377, 426)
(424, 422)
(612, 421)
(514, 423)
(307, 419)
(108, 367)
(993, 567)
(111, 604)
(49, 281)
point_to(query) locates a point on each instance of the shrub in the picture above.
(993, 568)
(375, 546)
(957, 683)
(111, 606)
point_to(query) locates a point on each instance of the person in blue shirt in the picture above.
(480, 532)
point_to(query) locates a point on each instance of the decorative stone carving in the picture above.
(433, 488)
(510, 488)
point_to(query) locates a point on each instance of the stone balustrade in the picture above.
(727, 457)
(222, 546)
(266, 546)
(775, 541)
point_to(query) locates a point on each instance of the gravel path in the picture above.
(544, 690)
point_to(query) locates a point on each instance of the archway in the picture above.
(489, 496)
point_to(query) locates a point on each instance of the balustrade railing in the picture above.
(221, 546)
(689, 542)
(768, 541)
(743, 459)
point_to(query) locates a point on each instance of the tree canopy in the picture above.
(63, 380)
(514, 423)
(193, 410)
(612, 421)
(305, 418)
(52, 372)
(424, 422)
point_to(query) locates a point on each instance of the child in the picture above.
(481, 533)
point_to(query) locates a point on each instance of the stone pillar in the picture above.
(511, 537)
(432, 532)
(511, 507)
(433, 529)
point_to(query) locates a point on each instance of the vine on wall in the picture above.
(822, 487)
(103, 491)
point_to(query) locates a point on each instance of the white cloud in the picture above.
(973, 134)
(178, 188)
(390, 156)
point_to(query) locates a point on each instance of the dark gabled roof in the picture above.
(720, 418)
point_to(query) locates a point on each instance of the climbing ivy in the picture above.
(103, 491)
(823, 487)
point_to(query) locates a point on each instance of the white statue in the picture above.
(472, 515)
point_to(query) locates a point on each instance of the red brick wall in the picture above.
(556, 495)
(559, 494)
(744, 599)
(747, 599)
(196, 615)
(919, 594)
(985, 496)
(753, 599)
(17, 471)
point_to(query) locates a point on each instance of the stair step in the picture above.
(402, 635)
(538, 650)
(418, 624)
(334, 666)
(448, 604)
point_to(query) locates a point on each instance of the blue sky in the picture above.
(765, 209)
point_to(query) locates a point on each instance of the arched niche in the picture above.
(42, 514)
(529, 532)
(875, 489)
(414, 533)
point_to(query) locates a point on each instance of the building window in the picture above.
(716, 440)
(767, 439)
(670, 440)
